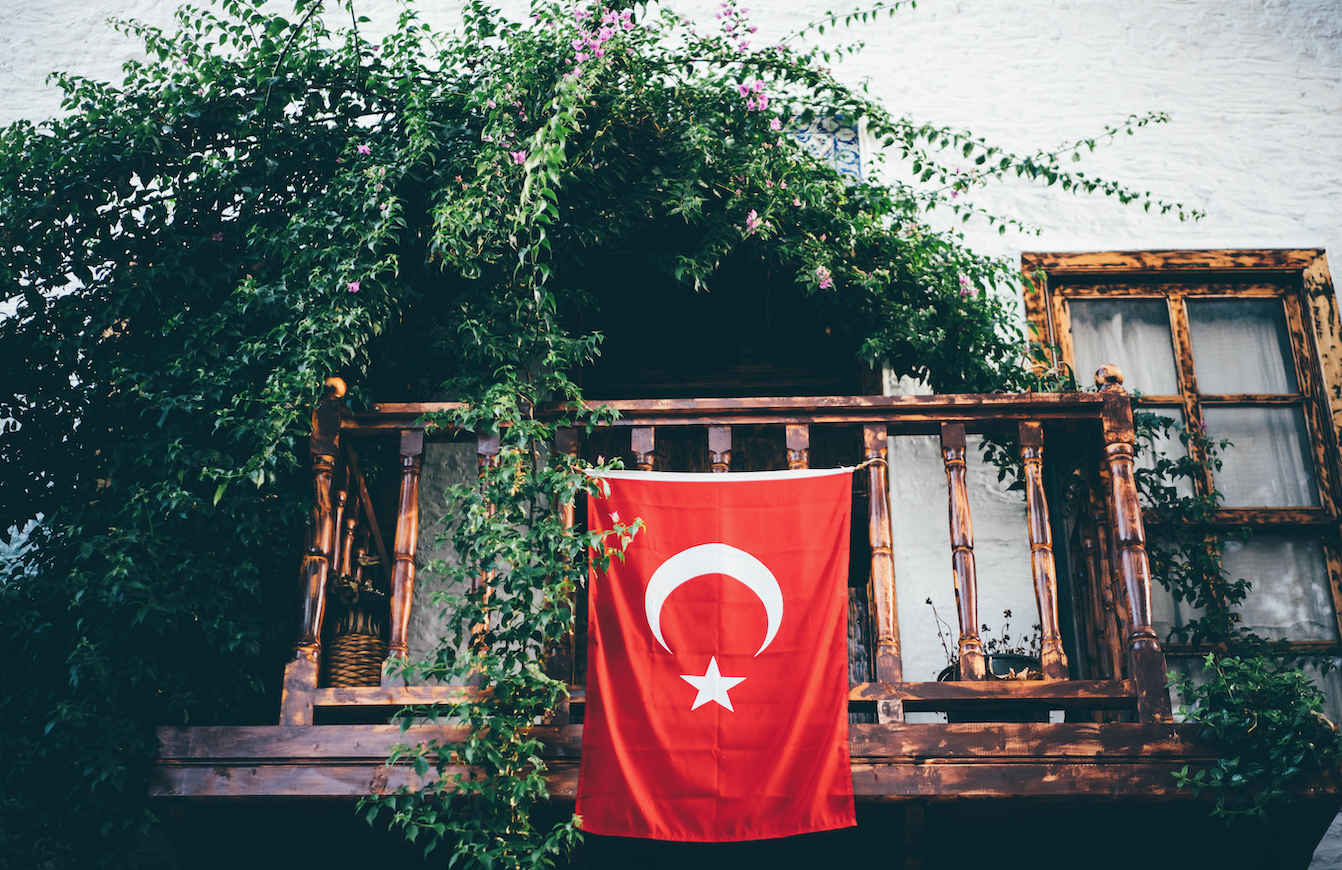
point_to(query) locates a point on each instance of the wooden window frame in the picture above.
(1301, 280)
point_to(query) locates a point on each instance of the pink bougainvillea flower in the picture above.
(354, 286)
(775, 124)
(519, 156)
(217, 237)
(762, 101)
(759, 85)
(364, 149)
(796, 201)
(752, 221)
(823, 278)
(744, 89)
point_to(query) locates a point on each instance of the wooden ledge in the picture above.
(889, 762)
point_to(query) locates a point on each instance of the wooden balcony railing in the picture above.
(348, 554)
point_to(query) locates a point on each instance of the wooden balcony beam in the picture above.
(889, 762)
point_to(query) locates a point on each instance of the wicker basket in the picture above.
(355, 660)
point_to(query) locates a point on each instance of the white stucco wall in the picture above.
(1253, 89)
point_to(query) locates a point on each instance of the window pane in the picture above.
(1241, 346)
(1133, 334)
(1268, 463)
(1165, 442)
(1290, 598)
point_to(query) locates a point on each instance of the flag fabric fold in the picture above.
(717, 678)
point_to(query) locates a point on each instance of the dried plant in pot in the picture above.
(1006, 658)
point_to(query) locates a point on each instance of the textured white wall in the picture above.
(1253, 88)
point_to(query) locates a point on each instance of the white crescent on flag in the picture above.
(713, 559)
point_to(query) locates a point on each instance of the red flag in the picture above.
(717, 676)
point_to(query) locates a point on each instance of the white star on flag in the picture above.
(712, 686)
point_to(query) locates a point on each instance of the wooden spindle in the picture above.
(963, 570)
(642, 443)
(1145, 657)
(300, 674)
(340, 558)
(889, 668)
(348, 519)
(798, 447)
(1042, 564)
(720, 448)
(403, 552)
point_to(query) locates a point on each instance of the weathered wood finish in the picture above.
(963, 573)
(1300, 280)
(720, 448)
(889, 667)
(1071, 415)
(1042, 566)
(404, 544)
(916, 763)
(300, 674)
(1146, 659)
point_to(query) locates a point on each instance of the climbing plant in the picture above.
(1254, 699)
(271, 198)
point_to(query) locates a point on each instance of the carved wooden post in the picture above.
(403, 552)
(1146, 659)
(798, 447)
(300, 674)
(642, 443)
(963, 570)
(1053, 659)
(889, 669)
(720, 448)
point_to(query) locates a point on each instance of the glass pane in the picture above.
(1166, 443)
(1133, 334)
(1290, 598)
(1331, 683)
(1168, 617)
(1241, 346)
(1268, 463)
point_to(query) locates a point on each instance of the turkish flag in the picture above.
(717, 676)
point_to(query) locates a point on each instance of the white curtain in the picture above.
(1268, 463)
(1241, 346)
(1290, 597)
(1133, 334)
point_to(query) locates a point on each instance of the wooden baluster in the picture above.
(1042, 565)
(720, 448)
(973, 666)
(642, 443)
(403, 552)
(1146, 658)
(340, 558)
(798, 447)
(889, 669)
(345, 564)
(300, 674)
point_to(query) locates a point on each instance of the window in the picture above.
(1245, 344)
